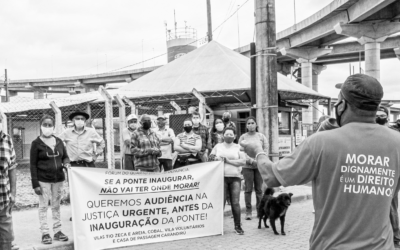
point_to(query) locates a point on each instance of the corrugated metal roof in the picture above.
(212, 67)
(25, 104)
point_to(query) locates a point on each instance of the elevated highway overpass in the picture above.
(75, 84)
(311, 43)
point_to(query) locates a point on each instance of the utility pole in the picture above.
(253, 93)
(6, 84)
(209, 23)
(266, 74)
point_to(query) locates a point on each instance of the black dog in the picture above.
(261, 209)
(274, 208)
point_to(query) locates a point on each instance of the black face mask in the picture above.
(337, 116)
(226, 119)
(146, 125)
(188, 129)
(381, 121)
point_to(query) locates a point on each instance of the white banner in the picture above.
(116, 208)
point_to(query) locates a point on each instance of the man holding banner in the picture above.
(131, 125)
(145, 146)
(79, 141)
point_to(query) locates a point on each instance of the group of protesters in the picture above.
(344, 219)
(146, 148)
(158, 149)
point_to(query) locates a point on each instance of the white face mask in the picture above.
(133, 126)
(219, 127)
(47, 131)
(79, 123)
(196, 121)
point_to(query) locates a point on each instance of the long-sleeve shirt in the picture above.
(47, 163)
(126, 136)
(256, 138)
(80, 145)
(141, 142)
(7, 163)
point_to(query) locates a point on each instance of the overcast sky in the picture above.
(41, 39)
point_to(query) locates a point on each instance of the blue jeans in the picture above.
(166, 164)
(129, 165)
(252, 177)
(394, 217)
(6, 228)
(232, 187)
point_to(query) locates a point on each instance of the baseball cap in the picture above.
(383, 109)
(362, 91)
(227, 114)
(131, 117)
(164, 117)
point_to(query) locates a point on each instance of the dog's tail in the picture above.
(269, 191)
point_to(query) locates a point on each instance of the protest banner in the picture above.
(116, 208)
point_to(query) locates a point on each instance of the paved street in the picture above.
(299, 221)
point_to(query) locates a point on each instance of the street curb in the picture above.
(60, 246)
(70, 244)
(297, 198)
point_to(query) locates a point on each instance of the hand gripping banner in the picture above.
(117, 208)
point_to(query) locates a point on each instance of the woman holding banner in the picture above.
(48, 157)
(234, 159)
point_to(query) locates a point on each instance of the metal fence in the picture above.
(24, 126)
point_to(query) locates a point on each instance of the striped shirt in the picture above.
(7, 162)
(189, 140)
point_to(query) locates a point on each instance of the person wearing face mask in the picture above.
(226, 118)
(188, 145)
(252, 177)
(131, 125)
(79, 141)
(48, 157)
(382, 116)
(216, 132)
(382, 119)
(396, 126)
(166, 136)
(201, 130)
(8, 188)
(234, 160)
(336, 161)
(145, 146)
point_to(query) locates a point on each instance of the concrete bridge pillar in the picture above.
(397, 52)
(316, 70)
(285, 68)
(38, 94)
(306, 57)
(370, 35)
(395, 117)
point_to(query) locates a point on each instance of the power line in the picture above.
(230, 16)
(128, 66)
(153, 57)
(229, 10)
